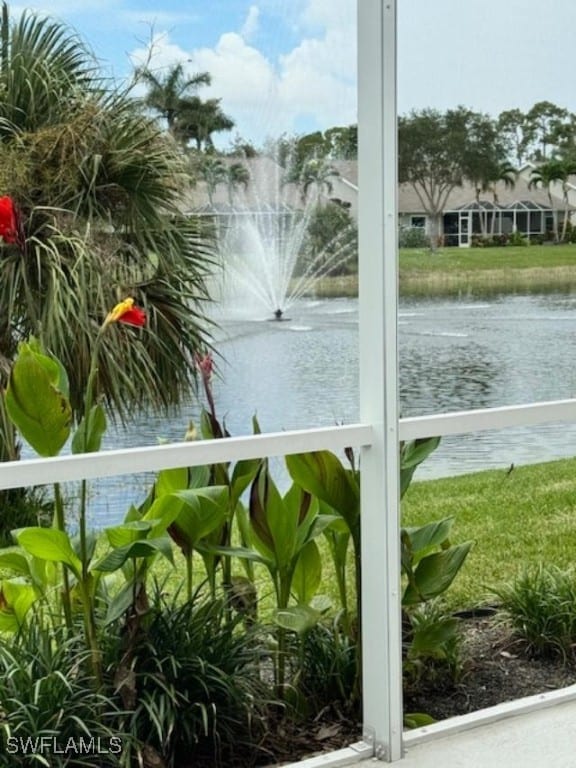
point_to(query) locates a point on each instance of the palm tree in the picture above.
(197, 120)
(237, 175)
(505, 174)
(316, 173)
(97, 186)
(546, 175)
(167, 94)
(213, 172)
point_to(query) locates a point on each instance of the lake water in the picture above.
(454, 355)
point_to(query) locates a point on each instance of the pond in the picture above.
(454, 355)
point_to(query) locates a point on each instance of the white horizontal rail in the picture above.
(462, 422)
(16, 474)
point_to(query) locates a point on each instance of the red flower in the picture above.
(205, 364)
(126, 312)
(9, 221)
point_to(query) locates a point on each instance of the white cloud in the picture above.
(250, 26)
(311, 87)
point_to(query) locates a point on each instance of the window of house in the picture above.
(418, 221)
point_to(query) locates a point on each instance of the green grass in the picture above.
(473, 271)
(522, 519)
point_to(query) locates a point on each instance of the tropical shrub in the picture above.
(51, 714)
(539, 607)
(413, 237)
(191, 683)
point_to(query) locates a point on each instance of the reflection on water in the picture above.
(454, 355)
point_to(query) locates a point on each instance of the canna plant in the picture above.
(429, 561)
(38, 404)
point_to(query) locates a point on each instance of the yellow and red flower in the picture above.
(126, 312)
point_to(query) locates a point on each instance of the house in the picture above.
(532, 211)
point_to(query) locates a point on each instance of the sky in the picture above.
(289, 66)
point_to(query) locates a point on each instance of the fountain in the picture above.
(265, 258)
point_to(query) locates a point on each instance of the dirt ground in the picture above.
(495, 669)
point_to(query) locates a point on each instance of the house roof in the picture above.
(268, 191)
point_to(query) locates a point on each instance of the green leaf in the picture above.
(203, 510)
(19, 597)
(425, 538)
(298, 618)
(36, 402)
(88, 439)
(322, 474)
(48, 544)
(120, 603)
(417, 720)
(412, 454)
(435, 573)
(14, 561)
(170, 480)
(143, 548)
(307, 573)
(430, 639)
(240, 552)
(243, 474)
(126, 533)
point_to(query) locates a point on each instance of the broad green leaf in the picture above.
(435, 573)
(170, 480)
(198, 477)
(36, 402)
(240, 552)
(120, 603)
(298, 618)
(259, 492)
(203, 510)
(307, 573)
(412, 454)
(49, 544)
(14, 561)
(162, 513)
(417, 720)
(120, 535)
(423, 539)
(322, 474)
(8, 621)
(19, 598)
(243, 474)
(143, 548)
(430, 639)
(88, 436)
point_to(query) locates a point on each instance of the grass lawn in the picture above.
(515, 520)
(482, 271)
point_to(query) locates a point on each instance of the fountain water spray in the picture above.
(262, 239)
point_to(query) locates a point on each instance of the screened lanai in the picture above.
(501, 736)
(484, 218)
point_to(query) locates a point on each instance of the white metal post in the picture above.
(378, 270)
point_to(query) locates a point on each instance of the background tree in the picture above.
(197, 120)
(316, 174)
(98, 187)
(331, 243)
(237, 175)
(169, 92)
(484, 153)
(434, 157)
(518, 133)
(213, 172)
(547, 175)
(544, 119)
